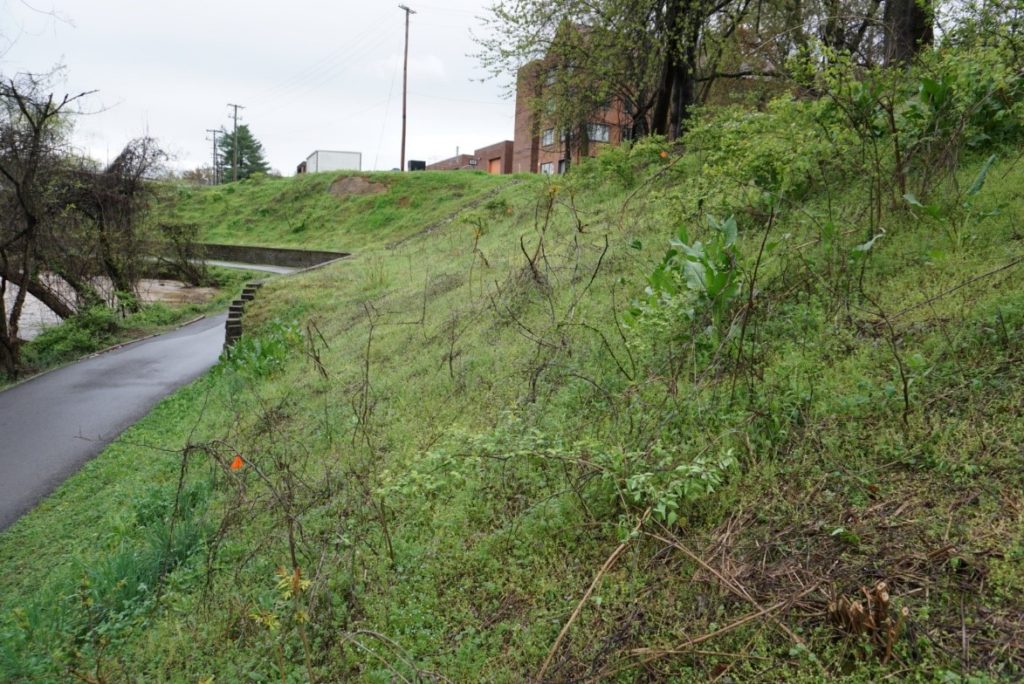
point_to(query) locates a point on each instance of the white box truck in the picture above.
(334, 160)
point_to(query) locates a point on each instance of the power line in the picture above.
(460, 99)
(405, 79)
(384, 123)
(281, 94)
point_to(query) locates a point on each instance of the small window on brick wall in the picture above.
(547, 168)
(547, 137)
(598, 132)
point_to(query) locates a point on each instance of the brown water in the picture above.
(36, 317)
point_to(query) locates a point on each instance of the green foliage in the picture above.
(87, 332)
(624, 164)
(665, 479)
(706, 273)
(93, 603)
(247, 150)
(781, 150)
(262, 355)
(302, 212)
(472, 451)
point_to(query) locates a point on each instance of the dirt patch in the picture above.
(404, 202)
(356, 185)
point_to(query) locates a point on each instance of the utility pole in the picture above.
(405, 78)
(216, 167)
(234, 143)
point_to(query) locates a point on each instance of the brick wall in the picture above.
(502, 152)
(530, 154)
(526, 145)
(453, 163)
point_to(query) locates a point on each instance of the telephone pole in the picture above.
(405, 78)
(234, 143)
(216, 167)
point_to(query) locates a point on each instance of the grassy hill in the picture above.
(735, 410)
(303, 212)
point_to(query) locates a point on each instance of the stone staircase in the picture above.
(233, 327)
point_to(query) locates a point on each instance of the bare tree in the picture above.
(33, 139)
(109, 206)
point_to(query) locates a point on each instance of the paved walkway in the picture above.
(52, 424)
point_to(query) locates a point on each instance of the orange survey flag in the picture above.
(238, 463)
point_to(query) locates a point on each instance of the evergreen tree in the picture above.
(250, 155)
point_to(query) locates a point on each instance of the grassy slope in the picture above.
(300, 212)
(462, 468)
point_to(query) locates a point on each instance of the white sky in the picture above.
(312, 74)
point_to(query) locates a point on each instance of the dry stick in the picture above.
(586, 596)
(749, 308)
(379, 657)
(728, 584)
(1014, 262)
(894, 347)
(654, 653)
(725, 671)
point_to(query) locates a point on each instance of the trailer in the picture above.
(334, 160)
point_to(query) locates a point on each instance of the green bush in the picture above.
(780, 150)
(264, 354)
(87, 332)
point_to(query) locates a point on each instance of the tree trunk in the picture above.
(9, 357)
(42, 293)
(908, 27)
(663, 100)
(686, 69)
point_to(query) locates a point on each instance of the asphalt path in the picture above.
(52, 424)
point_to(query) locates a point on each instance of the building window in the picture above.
(547, 168)
(547, 137)
(563, 165)
(598, 132)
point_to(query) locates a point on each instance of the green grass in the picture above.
(301, 212)
(452, 444)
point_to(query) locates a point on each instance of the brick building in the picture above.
(462, 161)
(494, 159)
(539, 147)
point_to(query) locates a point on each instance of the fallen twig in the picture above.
(586, 596)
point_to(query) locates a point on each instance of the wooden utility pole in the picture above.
(405, 79)
(234, 143)
(216, 166)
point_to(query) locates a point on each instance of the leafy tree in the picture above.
(250, 154)
(648, 54)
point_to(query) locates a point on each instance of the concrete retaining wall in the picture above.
(275, 256)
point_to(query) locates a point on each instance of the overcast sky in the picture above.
(312, 74)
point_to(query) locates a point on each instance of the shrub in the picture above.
(90, 330)
(780, 150)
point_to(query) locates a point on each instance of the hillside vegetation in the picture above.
(743, 409)
(302, 212)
